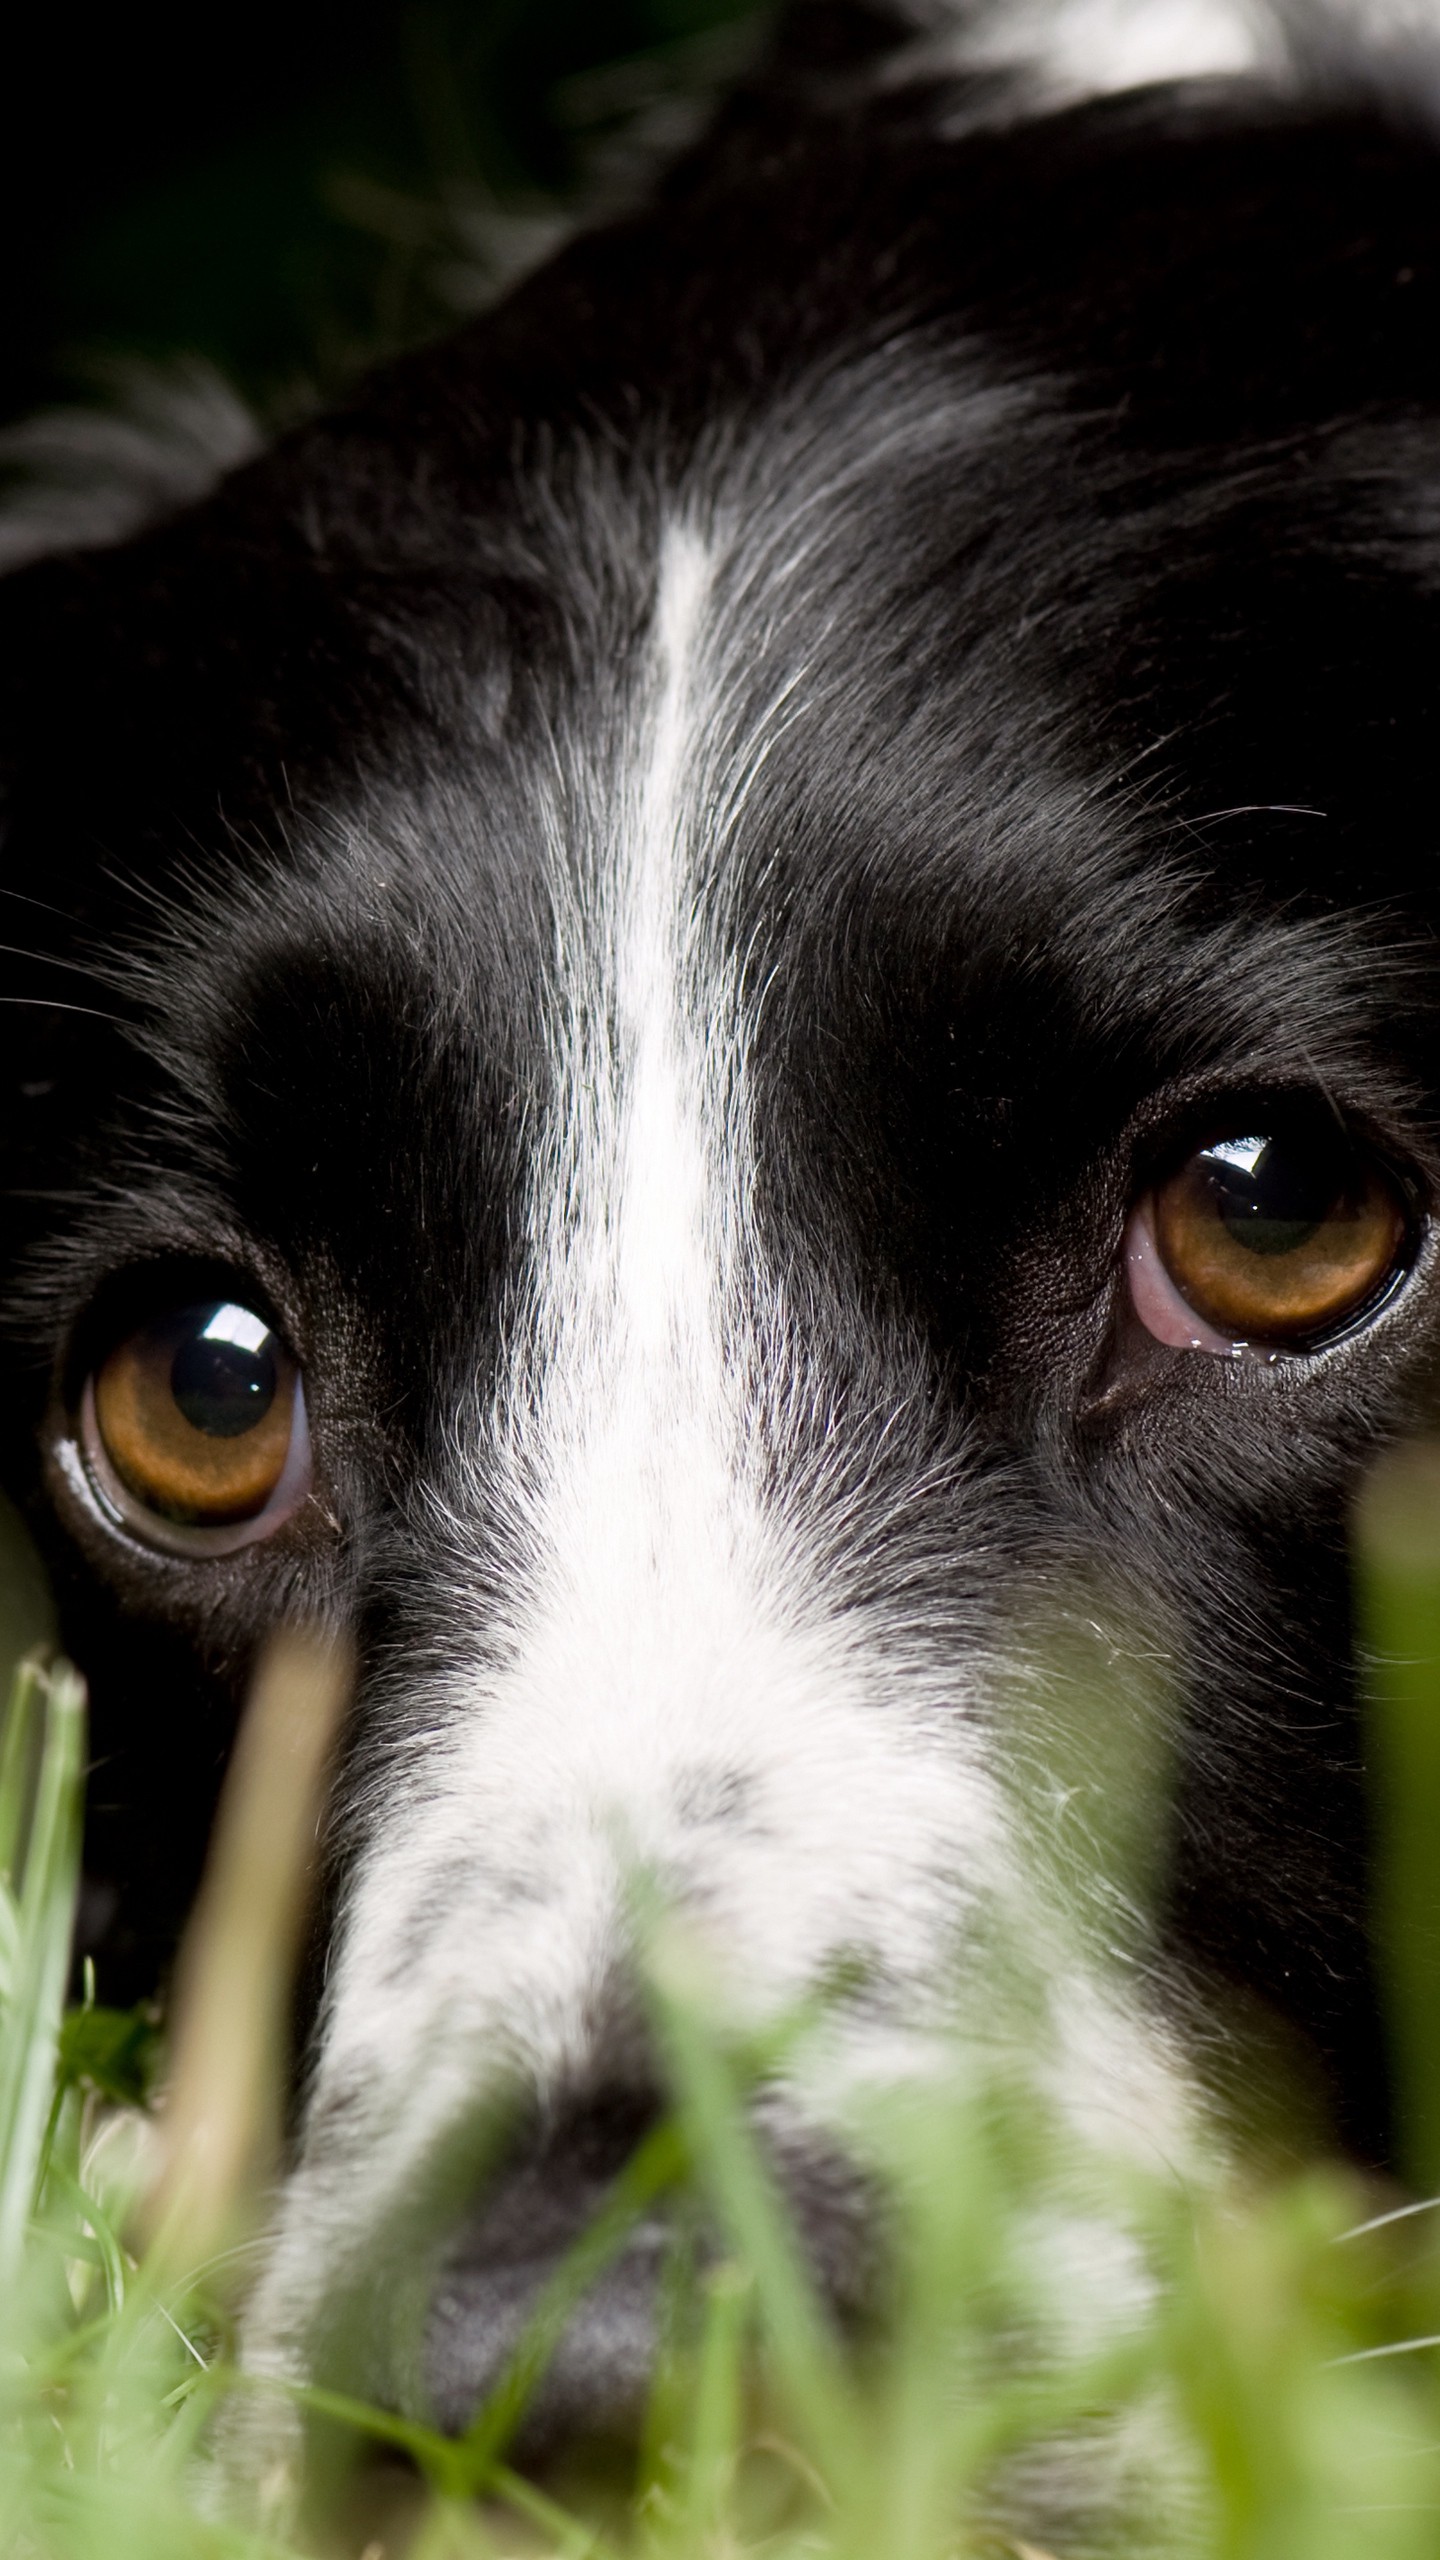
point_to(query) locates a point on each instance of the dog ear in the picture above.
(75, 483)
(57, 1023)
(154, 440)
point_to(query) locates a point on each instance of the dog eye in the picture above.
(1277, 1240)
(194, 1428)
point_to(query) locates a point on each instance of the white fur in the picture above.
(1090, 48)
(1063, 51)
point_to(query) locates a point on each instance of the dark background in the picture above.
(291, 186)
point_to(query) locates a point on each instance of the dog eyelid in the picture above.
(1157, 1301)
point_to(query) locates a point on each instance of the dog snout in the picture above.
(499, 2270)
(584, 2373)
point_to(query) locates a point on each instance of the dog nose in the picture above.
(596, 2378)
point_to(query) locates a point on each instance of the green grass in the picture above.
(1265, 2395)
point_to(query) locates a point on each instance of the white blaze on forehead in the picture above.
(629, 1387)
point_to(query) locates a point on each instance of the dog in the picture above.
(720, 1018)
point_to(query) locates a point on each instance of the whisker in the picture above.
(1397, 2213)
(1261, 809)
(57, 1004)
(53, 960)
(47, 906)
(1372, 2355)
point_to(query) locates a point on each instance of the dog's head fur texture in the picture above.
(652, 893)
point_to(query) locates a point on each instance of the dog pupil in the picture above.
(1272, 1194)
(222, 1387)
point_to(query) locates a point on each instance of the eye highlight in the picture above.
(194, 1428)
(1275, 1239)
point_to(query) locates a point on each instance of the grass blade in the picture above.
(803, 2351)
(31, 2028)
(220, 2121)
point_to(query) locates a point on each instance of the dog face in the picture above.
(728, 1005)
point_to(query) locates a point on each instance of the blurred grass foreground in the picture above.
(1271, 2391)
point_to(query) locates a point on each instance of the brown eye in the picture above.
(1279, 1238)
(198, 1418)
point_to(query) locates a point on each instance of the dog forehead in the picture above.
(901, 783)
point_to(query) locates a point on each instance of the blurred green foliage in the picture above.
(1398, 1594)
(1265, 2386)
(288, 193)
(27, 1614)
